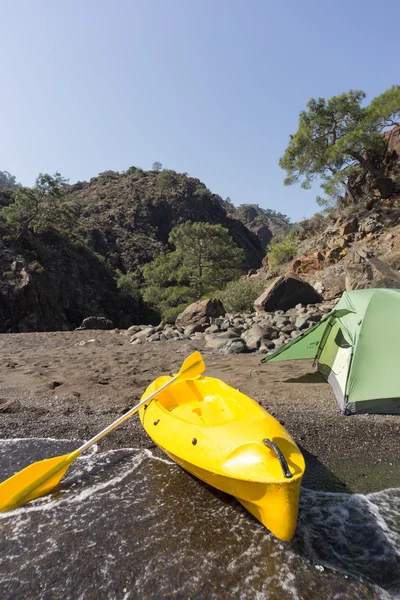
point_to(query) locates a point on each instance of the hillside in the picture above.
(54, 278)
(265, 223)
(128, 217)
(356, 243)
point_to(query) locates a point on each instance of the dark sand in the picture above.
(73, 384)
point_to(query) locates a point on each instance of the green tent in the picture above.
(356, 348)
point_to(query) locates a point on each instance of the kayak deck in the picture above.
(229, 441)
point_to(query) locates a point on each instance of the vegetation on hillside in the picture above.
(204, 258)
(40, 208)
(331, 139)
(281, 252)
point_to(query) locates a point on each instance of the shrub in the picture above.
(169, 315)
(239, 296)
(315, 224)
(128, 284)
(282, 252)
(37, 268)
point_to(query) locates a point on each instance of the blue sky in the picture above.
(208, 87)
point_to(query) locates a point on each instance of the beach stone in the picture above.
(314, 317)
(133, 329)
(301, 322)
(195, 328)
(141, 335)
(200, 311)
(253, 337)
(213, 329)
(217, 341)
(154, 338)
(289, 328)
(225, 325)
(281, 321)
(234, 347)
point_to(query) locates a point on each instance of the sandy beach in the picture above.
(73, 384)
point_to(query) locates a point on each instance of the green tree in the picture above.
(157, 166)
(205, 258)
(332, 137)
(39, 208)
(7, 181)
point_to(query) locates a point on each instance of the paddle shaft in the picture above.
(126, 416)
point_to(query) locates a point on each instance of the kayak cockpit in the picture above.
(201, 402)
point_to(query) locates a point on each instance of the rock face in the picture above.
(286, 292)
(365, 271)
(60, 285)
(265, 223)
(200, 312)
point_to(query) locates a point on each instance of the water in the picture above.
(130, 524)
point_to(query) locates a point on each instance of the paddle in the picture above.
(41, 477)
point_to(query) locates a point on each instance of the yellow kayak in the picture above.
(226, 439)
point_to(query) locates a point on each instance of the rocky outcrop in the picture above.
(265, 223)
(363, 270)
(49, 283)
(284, 293)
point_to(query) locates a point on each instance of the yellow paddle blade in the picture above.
(34, 481)
(193, 366)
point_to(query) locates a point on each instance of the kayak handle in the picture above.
(281, 458)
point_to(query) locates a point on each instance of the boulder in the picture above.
(219, 340)
(233, 347)
(96, 323)
(200, 311)
(253, 337)
(284, 293)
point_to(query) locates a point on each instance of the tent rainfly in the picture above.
(356, 348)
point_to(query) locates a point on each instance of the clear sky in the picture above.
(208, 87)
